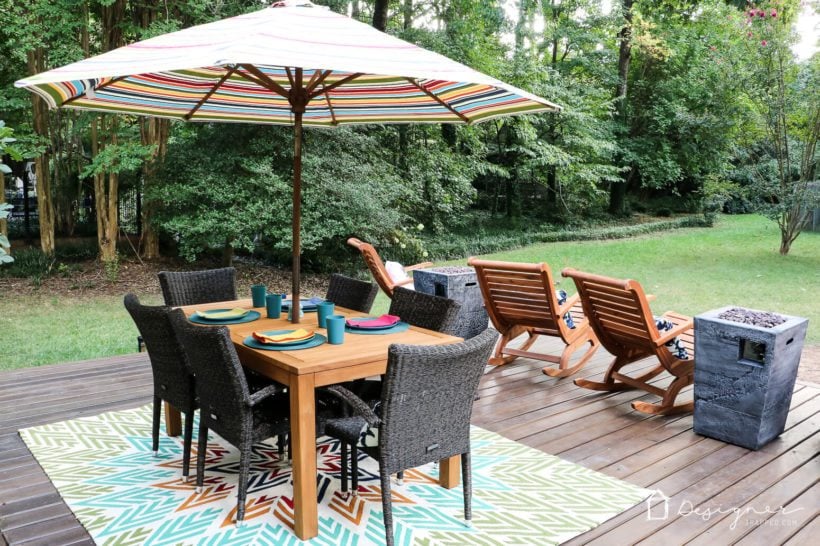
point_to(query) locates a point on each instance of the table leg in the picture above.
(303, 444)
(448, 472)
(173, 420)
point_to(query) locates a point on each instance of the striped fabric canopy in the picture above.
(242, 69)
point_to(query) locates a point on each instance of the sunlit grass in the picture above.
(689, 270)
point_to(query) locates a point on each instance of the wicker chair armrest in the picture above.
(359, 406)
(265, 393)
(422, 265)
(675, 332)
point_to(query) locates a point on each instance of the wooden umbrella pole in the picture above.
(298, 99)
(297, 216)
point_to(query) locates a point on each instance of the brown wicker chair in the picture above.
(425, 410)
(229, 408)
(173, 381)
(376, 266)
(193, 287)
(351, 293)
(619, 314)
(520, 298)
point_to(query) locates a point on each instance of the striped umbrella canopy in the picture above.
(291, 64)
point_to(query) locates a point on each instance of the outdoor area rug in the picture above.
(105, 470)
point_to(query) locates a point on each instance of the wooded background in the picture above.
(670, 106)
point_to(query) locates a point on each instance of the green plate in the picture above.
(250, 317)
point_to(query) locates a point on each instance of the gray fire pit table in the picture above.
(458, 283)
(745, 373)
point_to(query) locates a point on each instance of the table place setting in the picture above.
(381, 325)
(224, 316)
(284, 340)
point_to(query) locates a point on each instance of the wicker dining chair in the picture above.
(425, 310)
(193, 287)
(228, 407)
(417, 309)
(173, 381)
(426, 405)
(351, 293)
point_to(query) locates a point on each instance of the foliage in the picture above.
(483, 241)
(6, 147)
(786, 98)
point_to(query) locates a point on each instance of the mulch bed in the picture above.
(89, 279)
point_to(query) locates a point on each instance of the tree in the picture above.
(6, 147)
(786, 97)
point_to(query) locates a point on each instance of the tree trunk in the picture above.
(354, 10)
(380, 14)
(45, 206)
(407, 12)
(153, 131)
(617, 192)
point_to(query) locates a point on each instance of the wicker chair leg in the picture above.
(186, 444)
(201, 447)
(155, 425)
(467, 478)
(244, 469)
(354, 468)
(387, 505)
(343, 464)
(400, 477)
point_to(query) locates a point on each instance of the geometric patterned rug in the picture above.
(105, 471)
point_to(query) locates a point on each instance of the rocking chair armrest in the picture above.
(359, 406)
(675, 332)
(263, 394)
(422, 265)
(569, 304)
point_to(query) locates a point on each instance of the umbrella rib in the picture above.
(316, 82)
(330, 107)
(265, 81)
(209, 94)
(335, 84)
(103, 86)
(438, 100)
(290, 76)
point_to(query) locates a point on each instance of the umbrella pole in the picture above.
(297, 216)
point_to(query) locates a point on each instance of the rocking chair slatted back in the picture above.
(518, 294)
(618, 312)
(520, 298)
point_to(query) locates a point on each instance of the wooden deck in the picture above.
(738, 493)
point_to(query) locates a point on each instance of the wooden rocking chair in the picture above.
(619, 314)
(520, 298)
(377, 269)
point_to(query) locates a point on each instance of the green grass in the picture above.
(697, 269)
(689, 270)
(44, 329)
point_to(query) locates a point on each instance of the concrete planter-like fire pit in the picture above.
(457, 283)
(745, 371)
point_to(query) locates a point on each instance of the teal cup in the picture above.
(258, 292)
(273, 303)
(335, 329)
(324, 310)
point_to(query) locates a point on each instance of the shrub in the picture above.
(29, 263)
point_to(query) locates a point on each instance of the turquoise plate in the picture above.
(395, 329)
(250, 317)
(315, 341)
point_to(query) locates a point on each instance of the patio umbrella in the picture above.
(292, 63)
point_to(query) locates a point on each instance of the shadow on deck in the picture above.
(770, 496)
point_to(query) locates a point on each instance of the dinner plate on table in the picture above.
(297, 344)
(197, 318)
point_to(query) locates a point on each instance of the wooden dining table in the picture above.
(302, 371)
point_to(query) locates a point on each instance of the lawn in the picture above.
(689, 270)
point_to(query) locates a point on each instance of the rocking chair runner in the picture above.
(377, 269)
(520, 298)
(619, 314)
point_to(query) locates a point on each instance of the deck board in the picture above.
(597, 430)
